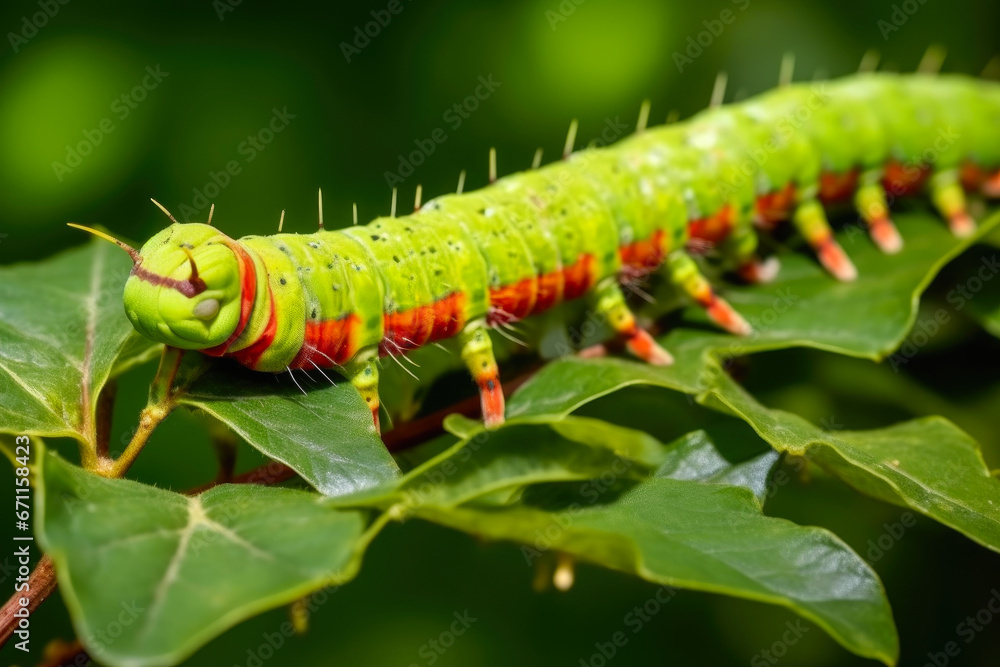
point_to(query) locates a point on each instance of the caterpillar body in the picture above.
(463, 263)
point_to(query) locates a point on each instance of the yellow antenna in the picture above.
(164, 209)
(281, 221)
(869, 61)
(787, 69)
(461, 182)
(418, 197)
(320, 198)
(570, 139)
(536, 162)
(392, 209)
(640, 125)
(933, 59)
(211, 211)
(493, 165)
(355, 207)
(719, 89)
(132, 252)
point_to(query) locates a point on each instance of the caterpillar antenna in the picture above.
(319, 198)
(787, 69)
(640, 125)
(132, 252)
(570, 139)
(164, 209)
(536, 161)
(719, 89)
(932, 60)
(869, 61)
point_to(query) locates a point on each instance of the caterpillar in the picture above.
(467, 262)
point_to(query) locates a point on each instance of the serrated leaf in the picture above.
(150, 575)
(325, 434)
(64, 335)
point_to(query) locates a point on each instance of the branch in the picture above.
(41, 584)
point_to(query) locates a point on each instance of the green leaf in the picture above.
(695, 457)
(518, 455)
(706, 537)
(150, 575)
(583, 487)
(927, 464)
(325, 434)
(64, 335)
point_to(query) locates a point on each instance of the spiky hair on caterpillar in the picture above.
(465, 263)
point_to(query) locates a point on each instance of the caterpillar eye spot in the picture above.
(282, 281)
(206, 310)
(375, 237)
(395, 258)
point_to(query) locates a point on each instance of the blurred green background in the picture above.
(72, 148)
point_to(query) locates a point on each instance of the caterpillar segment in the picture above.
(583, 227)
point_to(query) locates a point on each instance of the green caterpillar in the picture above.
(466, 262)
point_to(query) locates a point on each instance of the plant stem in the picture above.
(41, 584)
(161, 404)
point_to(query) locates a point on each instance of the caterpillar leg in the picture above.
(740, 248)
(991, 187)
(362, 372)
(810, 220)
(684, 273)
(607, 299)
(871, 204)
(477, 353)
(949, 199)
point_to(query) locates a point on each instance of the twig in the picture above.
(41, 584)
(161, 403)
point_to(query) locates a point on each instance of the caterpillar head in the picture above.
(185, 286)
